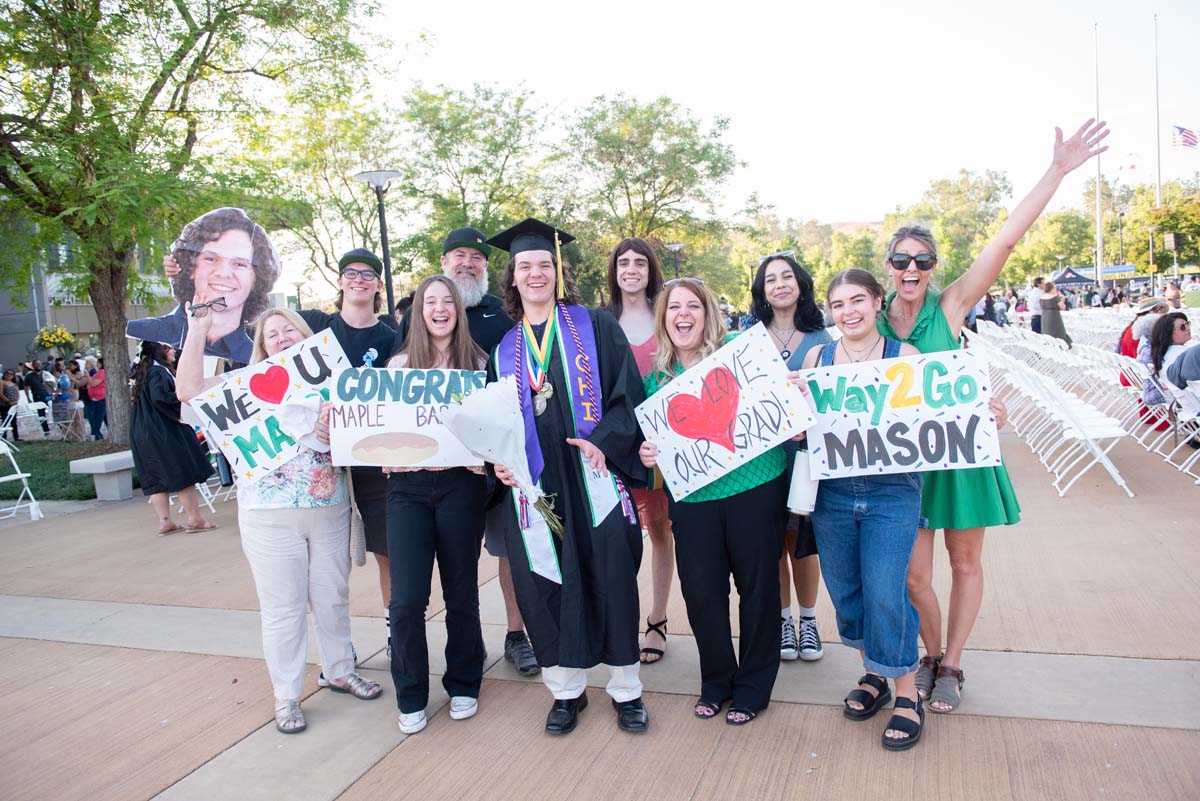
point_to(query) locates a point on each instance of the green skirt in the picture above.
(977, 498)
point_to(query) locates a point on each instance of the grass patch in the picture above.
(49, 466)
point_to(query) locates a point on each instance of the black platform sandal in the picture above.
(659, 628)
(870, 703)
(898, 723)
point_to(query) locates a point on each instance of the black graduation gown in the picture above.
(166, 453)
(592, 617)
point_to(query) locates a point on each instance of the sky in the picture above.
(841, 111)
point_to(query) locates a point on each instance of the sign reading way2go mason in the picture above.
(910, 414)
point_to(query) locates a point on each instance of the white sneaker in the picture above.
(463, 707)
(810, 640)
(412, 722)
(789, 649)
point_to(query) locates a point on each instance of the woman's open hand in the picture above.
(591, 454)
(1083, 145)
(505, 475)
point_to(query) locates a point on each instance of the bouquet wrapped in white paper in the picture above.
(489, 423)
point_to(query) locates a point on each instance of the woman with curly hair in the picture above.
(225, 256)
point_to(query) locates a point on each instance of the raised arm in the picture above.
(189, 366)
(1069, 154)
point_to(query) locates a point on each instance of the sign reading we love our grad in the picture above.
(392, 417)
(243, 415)
(727, 409)
(904, 415)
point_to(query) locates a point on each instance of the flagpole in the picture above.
(1099, 175)
(1157, 126)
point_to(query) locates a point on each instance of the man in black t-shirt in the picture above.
(465, 261)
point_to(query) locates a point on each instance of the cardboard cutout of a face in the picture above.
(222, 254)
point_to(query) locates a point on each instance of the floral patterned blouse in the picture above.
(309, 481)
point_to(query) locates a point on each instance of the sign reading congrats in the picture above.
(904, 415)
(392, 417)
(246, 414)
(727, 409)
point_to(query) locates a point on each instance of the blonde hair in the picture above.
(260, 351)
(666, 358)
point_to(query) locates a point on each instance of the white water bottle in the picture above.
(802, 496)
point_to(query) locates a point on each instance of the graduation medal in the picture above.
(537, 363)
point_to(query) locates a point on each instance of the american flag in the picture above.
(1183, 137)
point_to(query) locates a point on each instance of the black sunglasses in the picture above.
(924, 261)
(201, 309)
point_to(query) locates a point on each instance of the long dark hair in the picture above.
(654, 281)
(210, 227)
(855, 276)
(463, 353)
(807, 316)
(1162, 336)
(151, 352)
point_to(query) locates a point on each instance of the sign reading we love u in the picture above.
(727, 409)
(245, 415)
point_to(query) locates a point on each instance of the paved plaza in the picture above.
(132, 670)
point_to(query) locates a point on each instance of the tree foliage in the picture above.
(117, 118)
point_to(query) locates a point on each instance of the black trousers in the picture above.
(743, 536)
(435, 513)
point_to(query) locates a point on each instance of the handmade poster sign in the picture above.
(723, 412)
(258, 416)
(910, 414)
(394, 417)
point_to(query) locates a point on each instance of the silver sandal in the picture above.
(288, 717)
(356, 685)
(947, 689)
(926, 675)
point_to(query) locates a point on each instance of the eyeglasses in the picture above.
(366, 275)
(201, 309)
(924, 261)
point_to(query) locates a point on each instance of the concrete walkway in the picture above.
(136, 661)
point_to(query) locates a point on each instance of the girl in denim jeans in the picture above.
(865, 528)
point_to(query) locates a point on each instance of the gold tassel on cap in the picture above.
(562, 289)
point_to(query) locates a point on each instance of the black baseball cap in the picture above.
(466, 238)
(360, 256)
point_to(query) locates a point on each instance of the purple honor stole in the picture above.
(577, 343)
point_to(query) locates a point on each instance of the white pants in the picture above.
(566, 683)
(301, 558)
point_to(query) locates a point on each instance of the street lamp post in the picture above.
(1153, 271)
(1121, 235)
(1060, 258)
(299, 285)
(675, 248)
(379, 180)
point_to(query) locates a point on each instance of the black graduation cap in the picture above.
(531, 234)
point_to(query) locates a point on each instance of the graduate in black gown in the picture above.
(166, 453)
(579, 385)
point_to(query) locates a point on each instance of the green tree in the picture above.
(648, 170)
(1180, 214)
(960, 212)
(470, 158)
(117, 123)
(1066, 233)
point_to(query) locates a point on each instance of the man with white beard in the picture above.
(464, 261)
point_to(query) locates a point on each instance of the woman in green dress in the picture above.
(962, 502)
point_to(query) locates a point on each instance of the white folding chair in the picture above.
(6, 427)
(25, 500)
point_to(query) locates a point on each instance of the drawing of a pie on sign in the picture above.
(727, 410)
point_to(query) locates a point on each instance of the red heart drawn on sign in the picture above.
(270, 386)
(710, 416)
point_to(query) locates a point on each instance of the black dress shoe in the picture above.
(565, 714)
(632, 715)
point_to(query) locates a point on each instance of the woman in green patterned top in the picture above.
(962, 502)
(732, 526)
